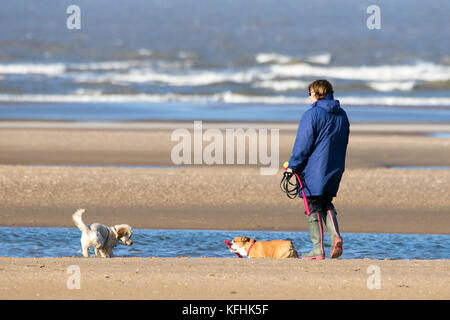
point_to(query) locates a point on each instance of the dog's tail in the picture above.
(78, 222)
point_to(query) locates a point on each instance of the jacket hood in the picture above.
(329, 104)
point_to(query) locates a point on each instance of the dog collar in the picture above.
(251, 246)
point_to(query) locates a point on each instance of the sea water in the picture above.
(215, 60)
(65, 242)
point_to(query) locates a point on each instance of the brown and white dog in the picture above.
(101, 237)
(248, 247)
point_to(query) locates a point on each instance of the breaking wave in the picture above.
(81, 96)
(285, 77)
(421, 71)
(30, 68)
(273, 71)
(276, 58)
(392, 85)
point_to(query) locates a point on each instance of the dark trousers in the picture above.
(320, 204)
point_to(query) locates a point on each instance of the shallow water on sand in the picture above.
(65, 242)
(444, 135)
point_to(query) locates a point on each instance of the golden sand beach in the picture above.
(222, 278)
(44, 178)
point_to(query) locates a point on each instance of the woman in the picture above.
(319, 155)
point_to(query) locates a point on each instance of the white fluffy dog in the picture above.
(101, 237)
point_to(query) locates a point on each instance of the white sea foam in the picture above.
(421, 71)
(93, 98)
(200, 78)
(230, 97)
(30, 68)
(272, 58)
(145, 52)
(57, 69)
(89, 92)
(324, 58)
(380, 78)
(227, 97)
(386, 86)
(105, 65)
(395, 101)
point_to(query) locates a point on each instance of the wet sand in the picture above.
(372, 197)
(370, 200)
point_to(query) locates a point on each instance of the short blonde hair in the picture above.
(321, 88)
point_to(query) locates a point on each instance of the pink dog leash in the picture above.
(289, 192)
(305, 201)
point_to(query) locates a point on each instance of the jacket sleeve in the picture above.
(304, 142)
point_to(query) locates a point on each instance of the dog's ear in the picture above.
(120, 231)
(245, 239)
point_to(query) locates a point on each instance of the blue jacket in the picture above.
(320, 147)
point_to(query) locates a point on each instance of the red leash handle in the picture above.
(227, 242)
(305, 201)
